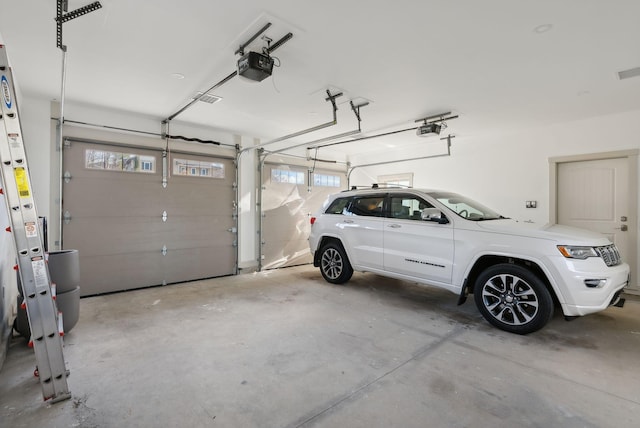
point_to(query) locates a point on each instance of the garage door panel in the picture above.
(287, 253)
(197, 263)
(187, 208)
(113, 235)
(284, 224)
(181, 199)
(116, 272)
(112, 198)
(200, 232)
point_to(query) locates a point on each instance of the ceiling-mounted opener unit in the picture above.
(255, 65)
(432, 125)
(254, 68)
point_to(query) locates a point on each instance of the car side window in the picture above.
(407, 207)
(338, 206)
(371, 206)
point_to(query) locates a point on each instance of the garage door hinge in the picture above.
(235, 244)
(164, 216)
(164, 250)
(67, 217)
(67, 177)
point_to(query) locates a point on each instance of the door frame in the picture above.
(632, 157)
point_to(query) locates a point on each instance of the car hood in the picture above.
(561, 234)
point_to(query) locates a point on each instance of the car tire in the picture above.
(513, 299)
(334, 264)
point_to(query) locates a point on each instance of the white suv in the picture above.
(516, 271)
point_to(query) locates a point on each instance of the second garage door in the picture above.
(291, 194)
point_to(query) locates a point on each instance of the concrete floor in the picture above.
(286, 349)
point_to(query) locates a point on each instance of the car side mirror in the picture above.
(435, 215)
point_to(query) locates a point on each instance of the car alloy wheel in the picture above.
(334, 265)
(513, 299)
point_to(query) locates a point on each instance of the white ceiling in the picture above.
(485, 61)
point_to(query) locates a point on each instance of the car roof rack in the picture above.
(381, 186)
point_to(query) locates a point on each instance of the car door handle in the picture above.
(347, 221)
(395, 225)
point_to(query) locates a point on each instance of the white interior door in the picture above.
(594, 195)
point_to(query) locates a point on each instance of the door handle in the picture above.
(622, 228)
(395, 225)
(347, 221)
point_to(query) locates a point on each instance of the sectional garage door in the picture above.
(290, 195)
(132, 232)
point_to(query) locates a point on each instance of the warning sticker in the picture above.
(31, 229)
(22, 182)
(39, 272)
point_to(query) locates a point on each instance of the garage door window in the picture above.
(118, 161)
(287, 176)
(196, 168)
(326, 180)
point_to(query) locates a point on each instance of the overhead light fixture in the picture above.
(543, 28)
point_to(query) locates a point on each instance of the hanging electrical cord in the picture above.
(192, 139)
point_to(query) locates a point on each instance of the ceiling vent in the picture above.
(206, 98)
(628, 74)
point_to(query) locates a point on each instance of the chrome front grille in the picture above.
(609, 254)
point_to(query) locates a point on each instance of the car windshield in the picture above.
(465, 207)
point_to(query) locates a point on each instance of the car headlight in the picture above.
(575, 252)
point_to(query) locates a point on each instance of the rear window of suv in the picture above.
(338, 206)
(371, 206)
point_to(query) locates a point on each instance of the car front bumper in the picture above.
(576, 284)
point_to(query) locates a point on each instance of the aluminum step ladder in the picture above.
(44, 320)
